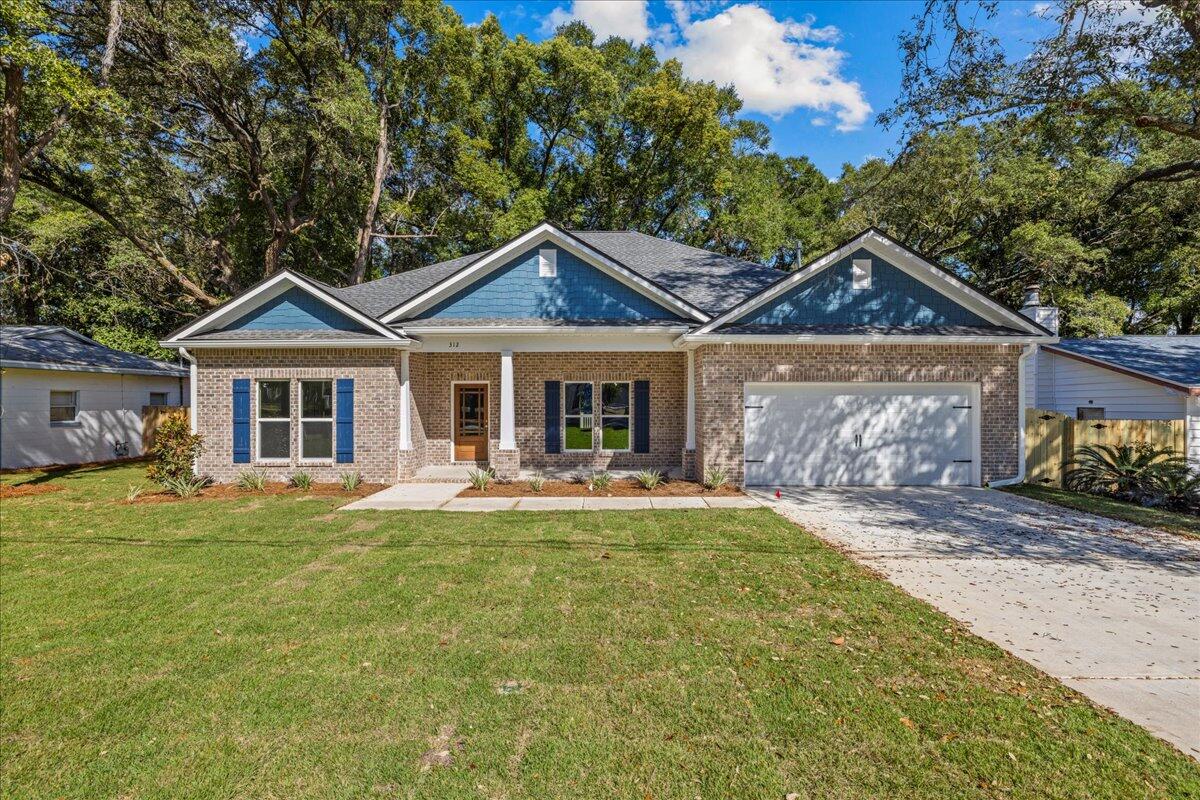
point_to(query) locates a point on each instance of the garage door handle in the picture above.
(963, 460)
(754, 461)
(753, 406)
(961, 406)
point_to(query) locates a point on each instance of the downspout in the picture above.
(1026, 351)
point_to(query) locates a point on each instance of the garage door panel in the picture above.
(854, 435)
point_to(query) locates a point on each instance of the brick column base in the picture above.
(506, 463)
(688, 463)
(407, 465)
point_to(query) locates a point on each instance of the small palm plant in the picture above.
(480, 479)
(1178, 490)
(537, 482)
(301, 480)
(350, 481)
(251, 481)
(715, 478)
(649, 478)
(599, 481)
(134, 492)
(184, 485)
(1127, 471)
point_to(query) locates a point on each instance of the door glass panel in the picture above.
(470, 412)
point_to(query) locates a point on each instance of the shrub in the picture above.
(188, 486)
(1127, 471)
(649, 478)
(599, 481)
(350, 480)
(1178, 490)
(537, 482)
(251, 481)
(175, 450)
(480, 478)
(301, 480)
(715, 478)
(134, 492)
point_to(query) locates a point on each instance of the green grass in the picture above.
(1173, 521)
(273, 647)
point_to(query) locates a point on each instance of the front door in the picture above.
(470, 422)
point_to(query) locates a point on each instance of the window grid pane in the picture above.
(273, 400)
(274, 439)
(578, 420)
(316, 440)
(63, 406)
(614, 416)
(316, 399)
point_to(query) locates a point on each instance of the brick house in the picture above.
(580, 350)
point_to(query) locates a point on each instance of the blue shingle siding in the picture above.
(294, 310)
(894, 298)
(579, 291)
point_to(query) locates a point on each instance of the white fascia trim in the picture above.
(251, 344)
(569, 330)
(542, 233)
(270, 289)
(917, 267)
(808, 338)
(172, 373)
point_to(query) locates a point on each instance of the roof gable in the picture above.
(892, 298)
(577, 291)
(294, 310)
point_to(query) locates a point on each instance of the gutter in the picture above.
(1026, 351)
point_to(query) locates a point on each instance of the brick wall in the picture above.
(722, 370)
(432, 375)
(376, 411)
(667, 373)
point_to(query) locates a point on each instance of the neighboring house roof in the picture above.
(873, 330)
(57, 348)
(1174, 360)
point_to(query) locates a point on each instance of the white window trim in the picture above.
(628, 417)
(566, 449)
(259, 419)
(547, 263)
(330, 419)
(860, 271)
(73, 422)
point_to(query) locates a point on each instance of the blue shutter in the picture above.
(641, 416)
(553, 440)
(345, 420)
(241, 420)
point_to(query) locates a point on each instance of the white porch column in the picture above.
(508, 403)
(405, 404)
(690, 441)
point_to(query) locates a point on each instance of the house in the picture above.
(1121, 377)
(578, 350)
(67, 399)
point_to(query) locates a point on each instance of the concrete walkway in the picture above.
(1108, 608)
(443, 497)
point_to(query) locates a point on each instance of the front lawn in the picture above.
(270, 646)
(1175, 522)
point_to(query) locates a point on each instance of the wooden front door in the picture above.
(470, 422)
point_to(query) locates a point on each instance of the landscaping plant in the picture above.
(1178, 490)
(537, 482)
(715, 478)
(301, 480)
(175, 450)
(1127, 471)
(251, 481)
(134, 492)
(649, 478)
(350, 480)
(185, 486)
(480, 479)
(599, 481)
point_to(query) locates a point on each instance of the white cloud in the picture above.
(775, 65)
(629, 20)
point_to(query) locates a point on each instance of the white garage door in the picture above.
(860, 434)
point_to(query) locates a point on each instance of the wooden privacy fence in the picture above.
(152, 417)
(1051, 439)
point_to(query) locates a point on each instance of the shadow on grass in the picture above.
(56, 472)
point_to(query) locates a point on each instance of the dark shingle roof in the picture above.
(872, 330)
(709, 281)
(1170, 358)
(55, 347)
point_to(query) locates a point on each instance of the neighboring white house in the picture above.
(66, 399)
(1116, 377)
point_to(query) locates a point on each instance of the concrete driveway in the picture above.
(1110, 609)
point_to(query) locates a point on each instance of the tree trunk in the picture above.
(366, 231)
(14, 86)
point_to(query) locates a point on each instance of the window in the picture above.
(547, 263)
(614, 416)
(64, 407)
(159, 399)
(316, 420)
(274, 421)
(861, 270)
(1089, 412)
(577, 416)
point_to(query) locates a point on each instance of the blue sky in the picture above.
(817, 72)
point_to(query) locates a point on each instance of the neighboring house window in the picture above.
(64, 408)
(614, 416)
(1089, 412)
(547, 263)
(274, 421)
(577, 416)
(860, 268)
(159, 399)
(316, 420)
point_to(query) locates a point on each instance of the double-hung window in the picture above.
(274, 421)
(64, 408)
(159, 399)
(614, 416)
(316, 420)
(577, 416)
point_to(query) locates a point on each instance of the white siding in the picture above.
(1193, 430)
(1065, 384)
(110, 411)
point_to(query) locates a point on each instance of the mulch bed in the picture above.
(27, 489)
(622, 487)
(228, 491)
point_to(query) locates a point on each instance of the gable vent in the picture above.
(548, 263)
(861, 272)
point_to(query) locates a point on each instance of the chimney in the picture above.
(1046, 316)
